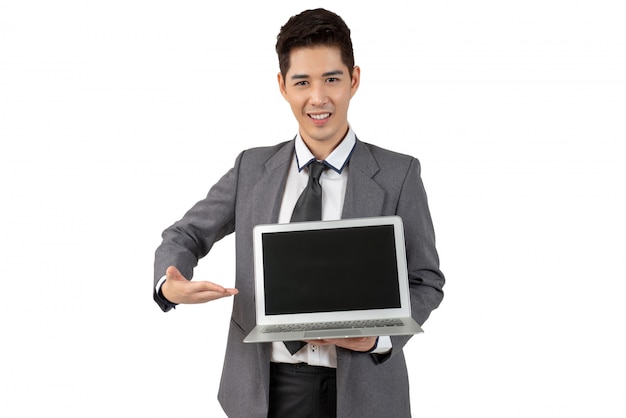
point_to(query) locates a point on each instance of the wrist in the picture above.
(159, 291)
(371, 350)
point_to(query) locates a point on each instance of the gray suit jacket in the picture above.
(380, 182)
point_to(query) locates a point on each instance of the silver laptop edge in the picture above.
(403, 312)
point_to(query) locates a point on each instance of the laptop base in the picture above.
(259, 334)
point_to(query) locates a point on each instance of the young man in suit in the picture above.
(352, 377)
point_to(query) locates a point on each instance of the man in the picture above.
(352, 377)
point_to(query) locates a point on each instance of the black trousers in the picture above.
(302, 391)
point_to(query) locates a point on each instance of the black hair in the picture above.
(314, 28)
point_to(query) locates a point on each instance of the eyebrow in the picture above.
(327, 74)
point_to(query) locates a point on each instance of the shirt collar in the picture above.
(337, 159)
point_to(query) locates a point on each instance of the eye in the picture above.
(332, 80)
(301, 83)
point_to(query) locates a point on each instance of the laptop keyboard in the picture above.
(334, 325)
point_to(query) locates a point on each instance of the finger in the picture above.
(323, 341)
(353, 343)
(209, 295)
(219, 293)
(206, 286)
(211, 288)
(357, 344)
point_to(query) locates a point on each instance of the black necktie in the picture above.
(309, 204)
(308, 208)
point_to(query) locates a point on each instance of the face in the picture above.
(318, 88)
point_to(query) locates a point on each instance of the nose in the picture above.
(318, 95)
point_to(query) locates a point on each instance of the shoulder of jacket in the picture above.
(386, 156)
(265, 150)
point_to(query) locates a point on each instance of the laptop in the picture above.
(331, 279)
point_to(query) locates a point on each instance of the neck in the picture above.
(322, 149)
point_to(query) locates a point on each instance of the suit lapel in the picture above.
(364, 197)
(268, 192)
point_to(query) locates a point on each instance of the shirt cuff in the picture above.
(159, 293)
(159, 284)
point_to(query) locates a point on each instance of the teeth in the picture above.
(321, 116)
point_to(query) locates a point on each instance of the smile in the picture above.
(321, 116)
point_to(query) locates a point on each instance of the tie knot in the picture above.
(316, 169)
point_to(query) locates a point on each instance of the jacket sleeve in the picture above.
(193, 236)
(426, 280)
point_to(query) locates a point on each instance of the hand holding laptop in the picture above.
(362, 344)
(178, 289)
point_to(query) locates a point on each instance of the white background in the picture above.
(115, 117)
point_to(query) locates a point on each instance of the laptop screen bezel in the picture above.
(369, 314)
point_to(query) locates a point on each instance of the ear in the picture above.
(281, 85)
(356, 80)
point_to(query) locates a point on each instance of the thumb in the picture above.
(172, 273)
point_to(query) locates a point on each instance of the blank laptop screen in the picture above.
(336, 269)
